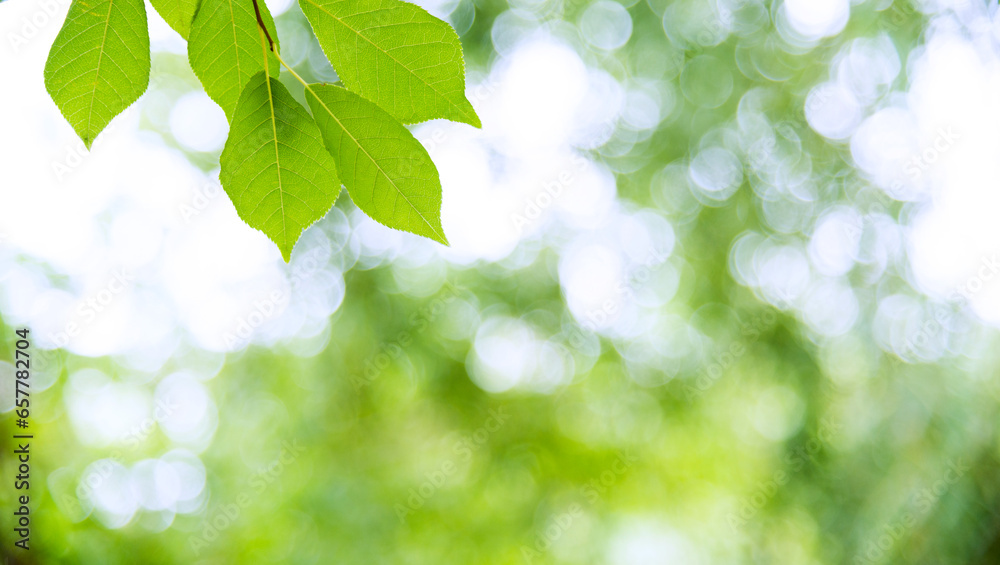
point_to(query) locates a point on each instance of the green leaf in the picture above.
(225, 48)
(99, 63)
(177, 13)
(396, 55)
(387, 172)
(274, 166)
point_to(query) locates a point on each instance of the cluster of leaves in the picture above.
(398, 64)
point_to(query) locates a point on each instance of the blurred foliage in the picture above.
(776, 445)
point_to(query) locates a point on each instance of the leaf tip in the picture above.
(471, 117)
(476, 122)
(440, 238)
(286, 252)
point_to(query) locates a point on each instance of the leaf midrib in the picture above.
(277, 159)
(97, 71)
(236, 49)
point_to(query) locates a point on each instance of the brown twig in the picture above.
(260, 22)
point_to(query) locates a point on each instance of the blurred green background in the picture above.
(735, 393)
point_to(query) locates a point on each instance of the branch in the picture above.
(260, 22)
